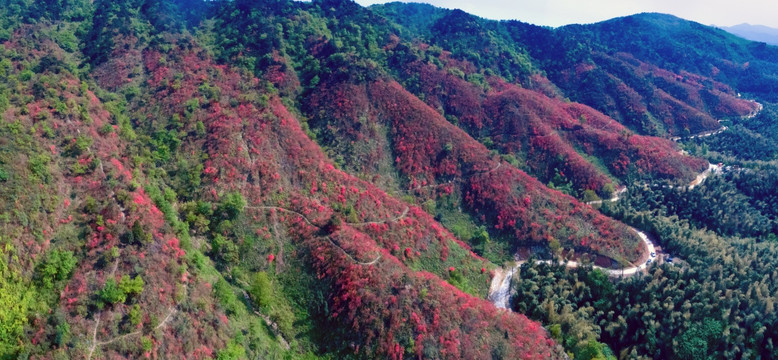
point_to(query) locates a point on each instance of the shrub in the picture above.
(224, 250)
(105, 129)
(138, 235)
(57, 267)
(231, 206)
(135, 315)
(261, 290)
(233, 351)
(590, 195)
(26, 75)
(3, 102)
(15, 300)
(146, 343)
(113, 293)
(223, 292)
(39, 166)
(79, 145)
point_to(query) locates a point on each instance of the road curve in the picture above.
(700, 135)
(616, 197)
(712, 169)
(499, 289)
(757, 109)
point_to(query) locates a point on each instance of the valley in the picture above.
(277, 179)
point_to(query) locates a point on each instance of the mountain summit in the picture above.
(759, 33)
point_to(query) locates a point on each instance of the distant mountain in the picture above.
(759, 33)
(299, 180)
(680, 45)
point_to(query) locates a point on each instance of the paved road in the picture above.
(712, 169)
(701, 135)
(616, 197)
(753, 114)
(499, 289)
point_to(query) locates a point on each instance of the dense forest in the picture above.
(302, 180)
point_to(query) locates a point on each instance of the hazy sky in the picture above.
(562, 12)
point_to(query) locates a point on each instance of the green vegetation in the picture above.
(16, 299)
(208, 179)
(567, 300)
(57, 268)
(117, 293)
(261, 290)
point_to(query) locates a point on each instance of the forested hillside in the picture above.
(280, 179)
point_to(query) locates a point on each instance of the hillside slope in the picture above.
(434, 155)
(619, 67)
(547, 134)
(282, 179)
(681, 45)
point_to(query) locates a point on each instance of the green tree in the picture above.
(590, 195)
(224, 250)
(57, 267)
(480, 239)
(697, 341)
(135, 315)
(593, 350)
(262, 291)
(138, 235)
(114, 293)
(131, 286)
(15, 300)
(111, 294)
(231, 206)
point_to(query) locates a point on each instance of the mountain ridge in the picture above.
(759, 33)
(287, 179)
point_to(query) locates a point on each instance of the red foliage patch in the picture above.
(262, 152)
(430, 150)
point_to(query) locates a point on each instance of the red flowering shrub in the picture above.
(649, 98)
(429, 150)
(349, 230)
(556, 139)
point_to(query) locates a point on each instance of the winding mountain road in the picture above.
(616, 197)
(712, 169)
(701, 135)
(722, 129)
(499, 289)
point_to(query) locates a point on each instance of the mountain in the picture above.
(645, 94)
(680, 45)
(283, 179)
(759, 33)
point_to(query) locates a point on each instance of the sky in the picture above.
(562, 12)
